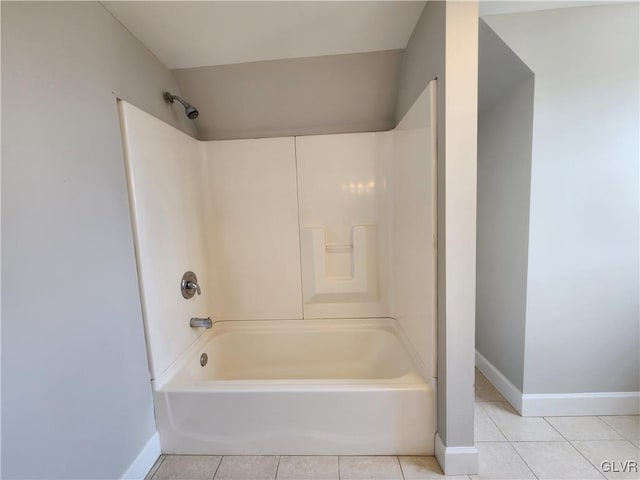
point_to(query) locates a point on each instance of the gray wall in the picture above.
(582, 327)
(505, 122)
(76, 397)
(444, 46)
(300, 96)
(504, 177)
(499, 68)
(423, 59)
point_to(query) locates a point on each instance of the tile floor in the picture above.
(511, 447)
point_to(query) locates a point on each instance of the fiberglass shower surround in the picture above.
(316, 260)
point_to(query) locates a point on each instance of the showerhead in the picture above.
(190, 111)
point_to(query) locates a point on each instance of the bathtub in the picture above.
(297, 387)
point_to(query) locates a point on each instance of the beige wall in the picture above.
(76, 398)
(300, 96)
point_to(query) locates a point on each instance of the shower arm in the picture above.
(170, 98)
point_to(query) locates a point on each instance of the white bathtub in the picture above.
(293, 387)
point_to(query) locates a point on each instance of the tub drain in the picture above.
(203, 359)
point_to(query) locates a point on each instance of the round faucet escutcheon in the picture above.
(189, 285)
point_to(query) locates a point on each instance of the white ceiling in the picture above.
(194, 34)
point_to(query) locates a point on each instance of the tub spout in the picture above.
(201, 322)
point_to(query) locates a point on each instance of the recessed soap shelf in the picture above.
(321, 285)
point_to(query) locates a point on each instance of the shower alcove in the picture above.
(316, 261)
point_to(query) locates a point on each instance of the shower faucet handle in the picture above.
(189, 285)
(194, 286)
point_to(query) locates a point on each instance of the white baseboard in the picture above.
(456, 460)
(578, 404)
(509, 391)
(145, 460)
(559, 404)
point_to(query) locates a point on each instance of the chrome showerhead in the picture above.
(190, 111)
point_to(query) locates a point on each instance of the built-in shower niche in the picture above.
(339, 272)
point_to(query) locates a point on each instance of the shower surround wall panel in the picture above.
(413, 226)
(342, 189)
(252, 228)
(164, 170)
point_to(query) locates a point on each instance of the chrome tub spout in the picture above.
(201, 322)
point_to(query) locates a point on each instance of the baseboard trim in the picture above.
(578, 404)
(509, 391)
(145, 459)
(456, 460)
(559, 404)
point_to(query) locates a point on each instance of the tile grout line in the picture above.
(542, 441)
(505, 436)
(494, 423)
(524, 461)
(277, 467)
(400, 464)
(583, 456)
(622, 437)
(528, 441)
(339, 478)
(217, 467)
(573, 446)
(510, 442)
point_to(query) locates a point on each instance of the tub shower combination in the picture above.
(288, 287)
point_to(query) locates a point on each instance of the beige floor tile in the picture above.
(485, 392)
(484, 428)
(370, 468)
(517, 428)
(499, 460)
(308, 467)
(626, 425)
(248, 467)
(616, 453)
(155, 467)
(583, 428)
(556, 460)
(187, 467)
(424, 468)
